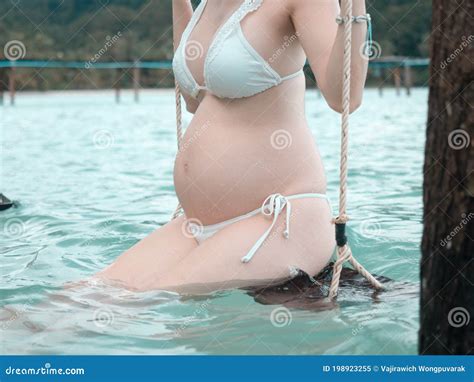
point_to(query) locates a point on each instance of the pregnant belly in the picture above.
(227, 168)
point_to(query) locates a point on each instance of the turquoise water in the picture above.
(93, 177)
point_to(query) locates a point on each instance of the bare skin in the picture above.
(237, 152)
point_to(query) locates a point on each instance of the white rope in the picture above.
(179, 135)
(344, 252)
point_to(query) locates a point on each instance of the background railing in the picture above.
(381, 69)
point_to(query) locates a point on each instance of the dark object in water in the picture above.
(310, 293)
(5, 203)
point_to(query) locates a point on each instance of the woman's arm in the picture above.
(182, 13)
(323, 41)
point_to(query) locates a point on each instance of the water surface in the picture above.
(93, 177)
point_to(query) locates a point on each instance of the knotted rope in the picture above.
(179, 134)
(343, 251)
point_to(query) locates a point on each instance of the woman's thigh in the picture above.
(144, 263)
(216, 263)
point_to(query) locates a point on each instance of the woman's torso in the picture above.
(236, 152)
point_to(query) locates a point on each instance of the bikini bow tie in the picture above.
(272, 205)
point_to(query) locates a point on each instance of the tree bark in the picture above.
(447, 266)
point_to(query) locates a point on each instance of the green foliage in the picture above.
(78, 29)
(401, 27)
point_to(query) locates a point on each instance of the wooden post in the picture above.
(117, 86)
(381, 80)
(397, 79)
(136, 81)
(11, 85)
(407, 79)
(3, 84)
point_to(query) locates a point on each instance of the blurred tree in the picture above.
(447, 264)
(78, 29)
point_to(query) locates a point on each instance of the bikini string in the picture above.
(273, 205)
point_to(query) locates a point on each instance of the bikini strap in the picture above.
(274, 205)
(293, 75)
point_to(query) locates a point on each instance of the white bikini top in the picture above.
(232, 67)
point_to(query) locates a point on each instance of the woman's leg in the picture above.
(216, 263)
(143, 264)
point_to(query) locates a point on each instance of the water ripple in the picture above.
(96, 187)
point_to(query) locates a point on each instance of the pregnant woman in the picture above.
(248, 175)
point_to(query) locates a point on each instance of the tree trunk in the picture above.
(447, 266)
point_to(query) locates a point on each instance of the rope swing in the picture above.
(343, 252)
(179, 135)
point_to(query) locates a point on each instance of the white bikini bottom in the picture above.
(273, 205)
